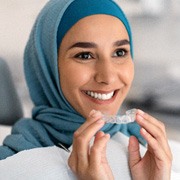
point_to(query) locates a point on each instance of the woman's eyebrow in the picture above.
(121, 42)
(83, 45)
(94, 45)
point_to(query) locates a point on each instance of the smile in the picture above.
(100, 96)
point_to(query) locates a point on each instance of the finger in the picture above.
(98, 136)
(81, 143)
(87, 134)
(155, 132)
(158, 150)
(98, 151)
(152, 120)
(93, 117)
(134, 152)
(72, 161)
(152, 128)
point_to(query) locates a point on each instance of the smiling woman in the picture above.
(78, 64)
(99, 65)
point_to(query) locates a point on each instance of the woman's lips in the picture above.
(101, 97)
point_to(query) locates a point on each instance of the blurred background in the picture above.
(155, 27)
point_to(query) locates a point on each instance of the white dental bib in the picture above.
(51, 162)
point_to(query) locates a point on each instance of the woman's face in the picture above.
(95, 64)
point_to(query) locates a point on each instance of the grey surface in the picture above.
(10, 106)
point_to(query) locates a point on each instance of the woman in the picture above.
(78, 65)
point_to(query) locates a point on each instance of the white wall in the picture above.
(16, 20)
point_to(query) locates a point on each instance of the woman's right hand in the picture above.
(89, 161)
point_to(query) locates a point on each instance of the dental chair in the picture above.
(10, 105)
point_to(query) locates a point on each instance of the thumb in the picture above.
(134, 153)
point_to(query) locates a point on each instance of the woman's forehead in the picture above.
(79, 9)
(100, 19)
(97, 27)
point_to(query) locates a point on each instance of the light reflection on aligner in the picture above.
(121, 119)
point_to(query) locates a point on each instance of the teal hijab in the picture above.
(53, 119)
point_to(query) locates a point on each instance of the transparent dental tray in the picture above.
(129, 117)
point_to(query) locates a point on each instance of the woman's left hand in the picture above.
(156, 163)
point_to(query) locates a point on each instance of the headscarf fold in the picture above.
(53, 119)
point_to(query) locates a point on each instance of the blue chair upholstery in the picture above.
(10, 106)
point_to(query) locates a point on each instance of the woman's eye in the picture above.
(83, 55)
(120, 53)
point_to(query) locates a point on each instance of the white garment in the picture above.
(51, 163)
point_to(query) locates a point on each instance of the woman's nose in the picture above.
(105, 73)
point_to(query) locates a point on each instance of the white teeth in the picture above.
(92, 94)
(95, 95)
(100, 96)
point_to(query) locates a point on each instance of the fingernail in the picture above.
(140, 111)
(95, 113)
(92, 112)
(108, 136)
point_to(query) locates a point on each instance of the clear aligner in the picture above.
(118, 119)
